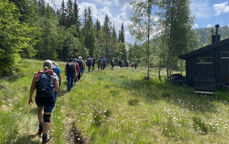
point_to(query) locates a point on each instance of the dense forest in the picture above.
(34, 29)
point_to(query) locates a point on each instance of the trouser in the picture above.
(79, 76)
(70, 78)
(89, 68)
(93, 67)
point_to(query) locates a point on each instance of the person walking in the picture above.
(93, 64)
(70, 72)
(57, 70)
(79, 61)
(77, 70)
(112, 63)
(84, 65)
(46, 85)
(89, 62)
(99, 63)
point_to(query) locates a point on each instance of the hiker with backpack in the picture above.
(93, 64)
(79, 61)
(46, 85)
(70, 72)
(99, 63)
(112, 63)
(84, 64)
(89, 63)
(57, 70)
(77, 69)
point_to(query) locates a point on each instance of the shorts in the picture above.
(48, 105)
(47, 108)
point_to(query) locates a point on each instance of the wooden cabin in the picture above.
(208, 67)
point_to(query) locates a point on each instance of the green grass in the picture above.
(116, 106)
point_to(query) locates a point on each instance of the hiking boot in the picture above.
(45, 138)
(40, 129)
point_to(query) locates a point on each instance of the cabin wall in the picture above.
(223, 66)
(195, 71)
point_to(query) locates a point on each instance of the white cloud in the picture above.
(201, 9)
(221, 8)
(100, 8)
(103, 2)
(195, 26)
(209, 25)
(99, 13)
(228, 25)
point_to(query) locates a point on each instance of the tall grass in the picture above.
(116, 106)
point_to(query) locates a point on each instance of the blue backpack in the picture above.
(45, 89)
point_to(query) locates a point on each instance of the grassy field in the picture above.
(114, 107)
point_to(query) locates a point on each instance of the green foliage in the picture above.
(8, 127)
(133, 102)
(199, 125)
(13, 37)
(204, 35)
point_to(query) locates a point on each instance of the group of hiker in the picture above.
(47, 82)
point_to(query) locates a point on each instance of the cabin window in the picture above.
(204, 60)
(225, 54)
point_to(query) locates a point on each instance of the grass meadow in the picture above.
(114, 107)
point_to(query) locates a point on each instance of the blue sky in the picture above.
(207, 13)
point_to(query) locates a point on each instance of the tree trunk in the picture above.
(148, 28)
(159, 68)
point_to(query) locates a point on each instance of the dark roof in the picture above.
(204, 49)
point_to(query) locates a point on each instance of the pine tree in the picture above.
(89, 19)
(76, 18)
(106, 30)
(122, 34)
(63, 14)
(70, 14)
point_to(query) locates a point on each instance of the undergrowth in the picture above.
(115, 106)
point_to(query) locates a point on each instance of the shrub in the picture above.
(199, 125)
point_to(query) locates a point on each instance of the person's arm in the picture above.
(75, 70)
(32, 89)
(59, 76)
(65, 70)
(56, 85)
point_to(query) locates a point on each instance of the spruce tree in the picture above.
(62, 14)
(70, 14)
(76, 18)
(106, 30)
(122, 34)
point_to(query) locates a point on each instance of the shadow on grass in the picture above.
(33, 111)
(62, 93)
(180, 95)
(26, 140)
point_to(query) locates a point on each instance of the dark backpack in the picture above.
(70, 67)
(80, 64)
(44, 86)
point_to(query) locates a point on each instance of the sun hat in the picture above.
(48, 64)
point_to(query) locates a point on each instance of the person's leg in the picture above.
(40, 111)
(72, 79)
(79, 76)
(69, 82)
(46, 125)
